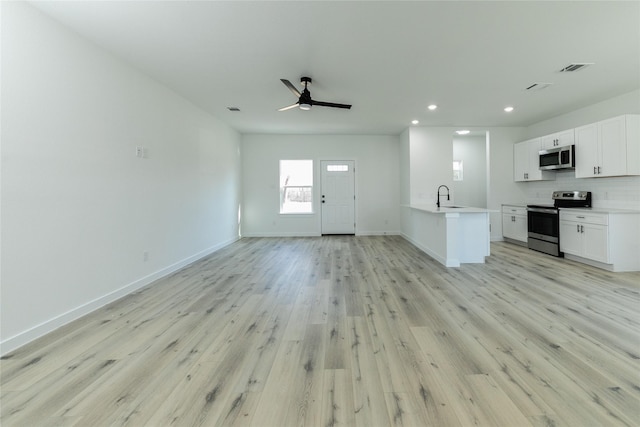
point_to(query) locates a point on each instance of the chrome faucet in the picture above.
(438, 202)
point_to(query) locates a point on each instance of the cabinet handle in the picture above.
(582, 228)
(599, 170)
(594, 171)
(578, 216)
(578, 228)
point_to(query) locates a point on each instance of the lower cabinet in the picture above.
(606, 240)
(514, 223)
(585, 235)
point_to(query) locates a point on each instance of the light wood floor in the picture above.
(352, 331)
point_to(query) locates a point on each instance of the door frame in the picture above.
(355, 187)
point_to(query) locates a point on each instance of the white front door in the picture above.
(337, 198)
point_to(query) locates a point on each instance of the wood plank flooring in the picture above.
(344, 331)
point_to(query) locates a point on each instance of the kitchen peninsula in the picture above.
(452, 235)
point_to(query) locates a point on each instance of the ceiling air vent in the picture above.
(538, 86)
(575, 67)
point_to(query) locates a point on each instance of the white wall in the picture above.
(405, 167)
(615, 192)
(78, 208)
(472, 189)
(377, 181)
(431, 157)
(628, 103)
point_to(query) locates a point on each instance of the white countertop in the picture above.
(448, 209)
(604, 210)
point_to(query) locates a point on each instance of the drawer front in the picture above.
(585, 217)
(514, 210)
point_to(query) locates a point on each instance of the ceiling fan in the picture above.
(304, 99)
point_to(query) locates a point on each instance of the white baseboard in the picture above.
(377, 233)
(17, 341)
(282, 234)
(314, 234)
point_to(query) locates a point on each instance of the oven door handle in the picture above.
(543, 210)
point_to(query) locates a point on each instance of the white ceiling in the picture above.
(389, 59)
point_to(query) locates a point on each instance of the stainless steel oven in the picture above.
(543, 221)
(543, 229)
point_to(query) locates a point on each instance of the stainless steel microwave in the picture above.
(558, 158)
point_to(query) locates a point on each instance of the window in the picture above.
(337, 168)
(296, 186)
(457, 170)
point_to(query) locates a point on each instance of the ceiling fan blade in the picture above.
(289, 107)
(331, 104)
(291, 87)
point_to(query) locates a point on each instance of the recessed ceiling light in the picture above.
(432, 107)
(415, 122)
(508, 109)
(462, 132)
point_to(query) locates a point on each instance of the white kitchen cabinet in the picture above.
(514, 223)
(571, 241)
(526, 162)
(609, 147)
(605, 240)
(558, 139)
(596, 242)
(585, 235)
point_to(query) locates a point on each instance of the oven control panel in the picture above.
(571, 195)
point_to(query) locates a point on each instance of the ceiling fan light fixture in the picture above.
(304, 98)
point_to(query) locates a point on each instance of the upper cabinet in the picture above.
(608, 148)
(526, 160)
(558, 139)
